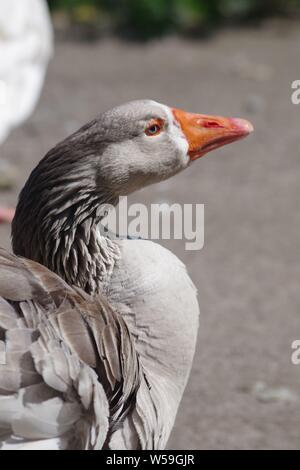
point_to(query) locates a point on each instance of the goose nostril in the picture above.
(211, 124)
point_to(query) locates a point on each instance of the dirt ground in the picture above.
(244, 391)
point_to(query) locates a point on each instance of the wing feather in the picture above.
(71, 370)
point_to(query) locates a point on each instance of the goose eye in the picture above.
(154, 128)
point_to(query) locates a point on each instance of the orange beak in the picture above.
(205, 133)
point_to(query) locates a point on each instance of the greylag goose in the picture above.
(99, 333)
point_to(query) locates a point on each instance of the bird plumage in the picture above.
(111, 340)
(71, 373)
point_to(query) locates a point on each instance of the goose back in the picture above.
(69, 376)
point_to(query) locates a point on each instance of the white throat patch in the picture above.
(176, 133)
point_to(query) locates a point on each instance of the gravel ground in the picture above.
(243, 392)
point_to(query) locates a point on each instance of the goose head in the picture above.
(147, 142)
(122, 150)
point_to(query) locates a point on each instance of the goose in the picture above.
(98, 334)
(26, 45)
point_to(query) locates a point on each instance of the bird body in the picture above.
(55, 338)
(111, 328)
(49, 389)
(151, 289)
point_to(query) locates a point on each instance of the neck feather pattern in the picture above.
(56, 222)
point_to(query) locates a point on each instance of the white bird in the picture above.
(98, 354)
(26, 44)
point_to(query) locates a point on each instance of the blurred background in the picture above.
(230, 57)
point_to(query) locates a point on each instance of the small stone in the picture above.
(265, 393)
